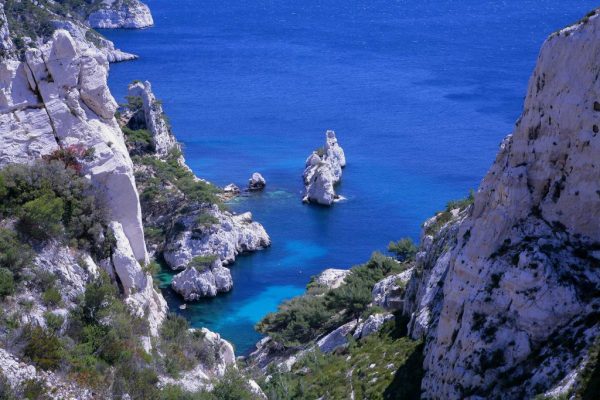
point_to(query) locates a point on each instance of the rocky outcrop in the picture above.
(331, 278)
(371, 325)
(389, 292)
(18, 372)
(507, 295)
(228, 236)
(323, 171)
(58, 97)
(201, 377)
(337, 338)
(153, 118)
(195, 283)
(256, 182)
(137, 285)
(131, 14)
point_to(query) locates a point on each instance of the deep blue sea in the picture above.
(420, 94)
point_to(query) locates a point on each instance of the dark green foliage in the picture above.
(202, 262)
(6, 391)
(52, 201)
(206, 220)
(134, 103)
(233, 386)
(303, 318)
(14, 255)
(404, 249)
(184, 348)
(7, 283)
(34, 389)
(172, 172)
(138, 137)
(51, 297)
(335, 376)
(43, 348)
(53, 321)
(41, 218)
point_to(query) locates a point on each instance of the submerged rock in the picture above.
(132, 14)
(195, 283)
(323, 171)
(256, 182)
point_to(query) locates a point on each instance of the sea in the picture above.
(419, 93)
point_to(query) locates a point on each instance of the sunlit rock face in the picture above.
(509, 305)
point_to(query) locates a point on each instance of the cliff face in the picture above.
(517, 302)
(132, 14)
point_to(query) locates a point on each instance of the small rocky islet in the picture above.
(499, 299)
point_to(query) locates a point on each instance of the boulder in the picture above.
(389, 292)
(256, 182)
(336, 339)
(371, 325)
(193, 283)
(332, 278)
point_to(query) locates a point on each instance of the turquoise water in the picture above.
(420, 94)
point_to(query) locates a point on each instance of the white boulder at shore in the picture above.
(131, 14)
(323, 171)
(193, 284)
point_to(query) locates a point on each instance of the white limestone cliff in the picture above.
(131, 14)
(58, 97)
(507, 293)
(323, 171)
(6, 44)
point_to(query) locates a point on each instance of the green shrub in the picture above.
(34, 389)
(41, 218)
(53, 321)
(50, 199)
(51, 297)
(304, 318)
(404, 249)
(139, 137)
(200, 263)
(6, 391)
(233, 386)
(44, 349)
(7, 283)
(14, 254)
(206, 220)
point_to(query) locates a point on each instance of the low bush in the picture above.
(443, 217)
(43, 348)
(7, 283)
(200, 263)
(404, 249)
(53, 201)
(51, 297)
(306, 317)
(14, 255)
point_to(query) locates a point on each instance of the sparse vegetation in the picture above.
(303, 318)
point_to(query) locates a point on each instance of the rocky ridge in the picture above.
(130, 14)
(323, 171)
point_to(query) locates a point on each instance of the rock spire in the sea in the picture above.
(323, 171)
(132, 14)
(256, 182)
